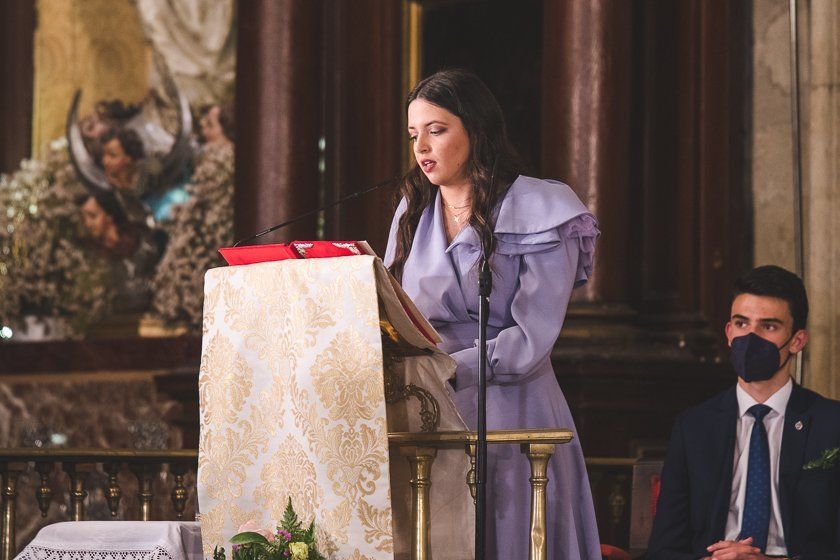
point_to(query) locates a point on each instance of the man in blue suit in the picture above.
(754, 472)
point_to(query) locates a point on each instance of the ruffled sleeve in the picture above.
(537, 215)
(553, 234)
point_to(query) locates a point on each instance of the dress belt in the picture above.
(458, 336)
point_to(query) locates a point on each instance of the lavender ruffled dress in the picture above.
(545, 245)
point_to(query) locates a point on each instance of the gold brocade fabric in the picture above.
(292, 404)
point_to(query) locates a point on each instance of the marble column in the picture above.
(771, 162)
(772, 166)
(363, 116)
(17, 32)
(587, 63)
(278, 115)
(821, 85)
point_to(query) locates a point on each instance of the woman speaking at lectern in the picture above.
(464, 191)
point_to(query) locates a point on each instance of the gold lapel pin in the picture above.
(799, 425)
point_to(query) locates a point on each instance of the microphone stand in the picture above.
(356, 194)
(485, 286)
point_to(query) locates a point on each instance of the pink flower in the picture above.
(287, 536)
(253, 527)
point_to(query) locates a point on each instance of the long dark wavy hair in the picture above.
(493, 162)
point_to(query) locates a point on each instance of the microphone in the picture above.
(352, 196)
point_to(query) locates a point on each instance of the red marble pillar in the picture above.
(586, 107)
(278, 114)
(364, 115)
(17, 34)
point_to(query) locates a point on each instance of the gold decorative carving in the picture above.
(394, 349)
(44, 492)
(113, 492)
(179, 491)
(471, 476)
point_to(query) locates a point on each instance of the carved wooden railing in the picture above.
(420, 449)
(78, 463)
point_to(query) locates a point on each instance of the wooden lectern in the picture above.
(306, 366)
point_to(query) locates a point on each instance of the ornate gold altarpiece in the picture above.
(300, 361)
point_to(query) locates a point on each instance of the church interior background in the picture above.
(670, 119)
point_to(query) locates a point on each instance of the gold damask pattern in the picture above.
(214, 521)
(345, 378)
(289, 472)
(377, 526)
(225, 457)
(224, 382)
(292, 398)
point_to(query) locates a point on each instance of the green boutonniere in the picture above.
(827, 460)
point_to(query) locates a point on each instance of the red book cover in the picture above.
(250, 254)
(325, 249)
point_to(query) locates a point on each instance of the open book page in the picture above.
(402, 312)
(416, 318)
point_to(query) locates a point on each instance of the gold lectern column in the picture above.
(420, 459)
(539, 455)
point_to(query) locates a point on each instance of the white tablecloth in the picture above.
(116, 540)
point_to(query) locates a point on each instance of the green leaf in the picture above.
(290, 522)
(828, 458)
(248, 537)
(309, 534)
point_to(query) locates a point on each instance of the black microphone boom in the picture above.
(356, 194)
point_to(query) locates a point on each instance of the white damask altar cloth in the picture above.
(292, 402)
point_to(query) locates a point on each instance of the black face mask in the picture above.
(755, 358)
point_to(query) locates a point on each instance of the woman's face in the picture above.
(211, 128)
(118, 165)
(441, 143)
(99, 224)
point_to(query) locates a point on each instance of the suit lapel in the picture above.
(792, 453)
(722, 432)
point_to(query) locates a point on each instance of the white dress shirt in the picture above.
(774, 423)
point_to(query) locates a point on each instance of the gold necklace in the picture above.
(453, 209)
(457, 217)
